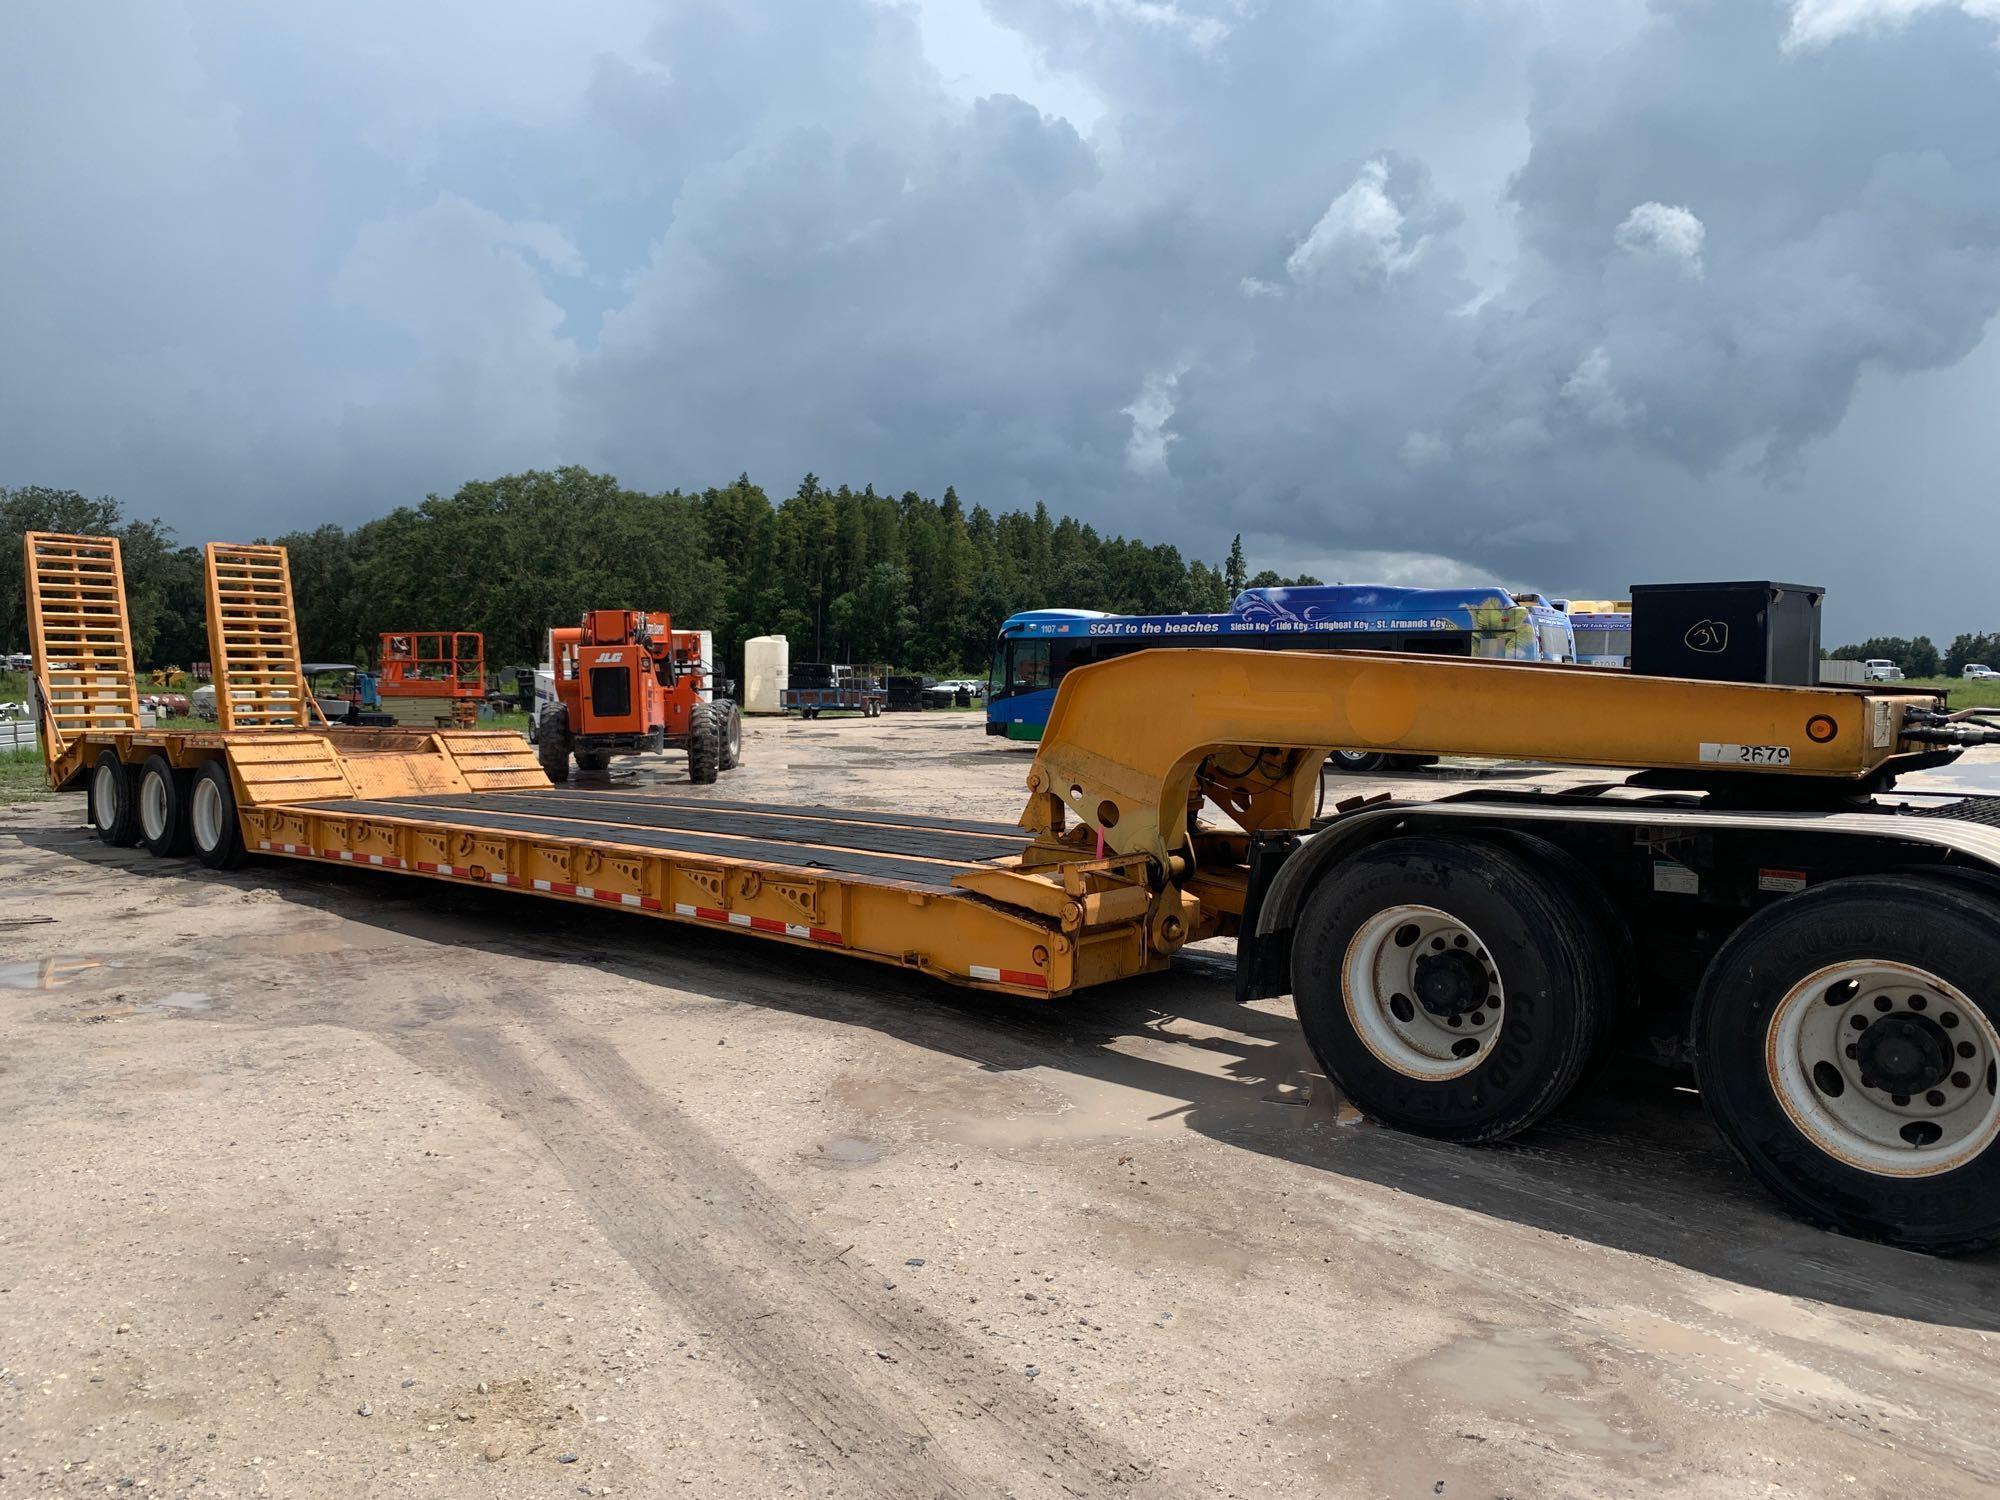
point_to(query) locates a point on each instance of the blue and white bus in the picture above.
(1037, 647)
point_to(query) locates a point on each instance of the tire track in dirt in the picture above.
(907, 1406)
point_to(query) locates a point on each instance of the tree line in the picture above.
(848, 575)
(1921, 658)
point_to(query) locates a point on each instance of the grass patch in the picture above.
(1979, 692)
(21, 776)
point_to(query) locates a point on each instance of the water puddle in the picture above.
(1525, 1376)
(178, 1000)
(45, 973)
(848, 1151)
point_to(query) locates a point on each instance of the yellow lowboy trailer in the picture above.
(1746, 902)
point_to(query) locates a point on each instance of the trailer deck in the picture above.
(896, 887)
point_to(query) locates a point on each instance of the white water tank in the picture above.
(708, 666)
(767, 662)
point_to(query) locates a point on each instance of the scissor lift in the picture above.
(1830, 965)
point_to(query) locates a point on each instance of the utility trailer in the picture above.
(1827, 961)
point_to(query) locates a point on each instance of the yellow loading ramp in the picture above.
(80, 639)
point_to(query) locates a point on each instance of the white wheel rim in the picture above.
(1885, 1067)
(153, 805)
(104, 796)
(1384, 990)
(207, 810)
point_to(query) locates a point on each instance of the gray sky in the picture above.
(1574, 293)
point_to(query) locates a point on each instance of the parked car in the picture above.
(1875, 669)
(19, 662)
(1978, 669)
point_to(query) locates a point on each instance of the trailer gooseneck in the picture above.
(1747, 903)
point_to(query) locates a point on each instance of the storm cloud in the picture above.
(1573, 293)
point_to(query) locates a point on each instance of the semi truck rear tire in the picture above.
(1847, 1041)
(552, 743)
(1358, 762)
(1450, 987)
(732, 736)
(704, 744)
(218, 837)
(163, 807)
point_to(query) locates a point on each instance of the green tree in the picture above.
(1969, 647)
(1235, 572)
(1917, 658)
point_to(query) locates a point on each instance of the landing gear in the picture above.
(1847, 1043)
(1450, 987)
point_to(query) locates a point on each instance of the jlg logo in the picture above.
(612, 656)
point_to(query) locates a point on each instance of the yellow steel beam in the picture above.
(1131, 740)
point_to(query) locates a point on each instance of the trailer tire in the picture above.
(552, 744)
(1820, 1014)
(1357, 762)
(163, 807)
(732, 736)
(113, 809)
(1450, 987)
(704, 744)
(217, 836)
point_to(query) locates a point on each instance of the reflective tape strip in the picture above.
(1021, 977)
(500, 878)
(759, 924)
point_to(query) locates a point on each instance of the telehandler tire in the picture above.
(732, 736)
(704, 744)
(1450, 987)
(552, 744)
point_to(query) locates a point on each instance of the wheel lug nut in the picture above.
(1882, 1002)
(1917, 1002)
(1948, 1019)
(1965, 1049)
(1899, 1099)
(1961, 1080)
(1479, 1018)
(1934, 1098)
(1852, 1050)
(1859, 1023)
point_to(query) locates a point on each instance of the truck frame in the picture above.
(1750, 903)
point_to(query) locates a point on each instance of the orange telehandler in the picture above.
(626, 681)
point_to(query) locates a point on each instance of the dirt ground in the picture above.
(321, 1182)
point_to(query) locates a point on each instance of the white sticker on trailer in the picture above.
(1745, 755)
(1669, 875)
